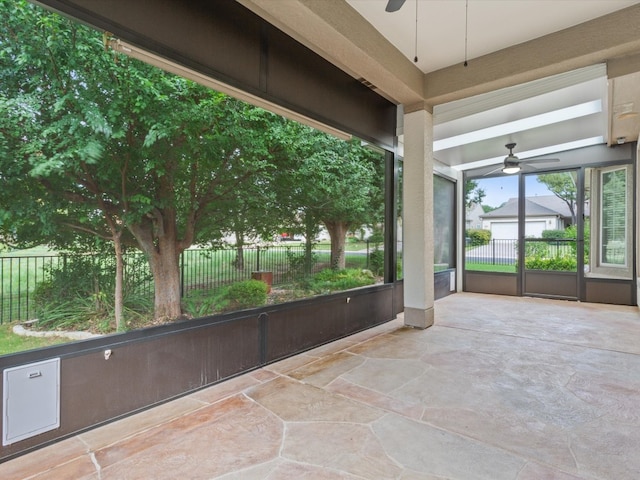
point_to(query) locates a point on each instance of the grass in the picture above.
(11, 343)
(483, 267)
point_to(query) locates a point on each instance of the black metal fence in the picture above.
(496, 252)
(540, 253)
(200, 269)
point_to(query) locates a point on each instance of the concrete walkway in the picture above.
(499, 388)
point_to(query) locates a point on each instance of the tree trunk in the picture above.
(239, 251)
(165, 267)
(310, 232)
(116, 236)
(338, 233)
(159, 243)
(118, 294)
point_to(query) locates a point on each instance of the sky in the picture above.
(500, 189)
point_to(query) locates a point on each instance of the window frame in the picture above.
(599, 267)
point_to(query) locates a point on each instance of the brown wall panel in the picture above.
(552, 284)
(398, 297)
(310, 324)
(617, 292)
(486, 282)
(442, 284)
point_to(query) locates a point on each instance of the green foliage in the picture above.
(241, 295)
(535, 249)
(554, 234)
(572, 230)
(376, 238)
(473, 193)
(95, 143)
(558, 264)
(376, 261)
(79, 294)
(478, 237)
(332, 182)
(237, 296)
(330, 280)
(300, 263)
(200, 303)
(488, 208)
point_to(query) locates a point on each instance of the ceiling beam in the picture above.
(620, 66)
(596, 41)
(337, 32)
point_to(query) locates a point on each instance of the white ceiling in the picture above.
(501, 117)
(492, 24)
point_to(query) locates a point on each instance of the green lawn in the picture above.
(11, 343)
(27, 252)
(483, 267)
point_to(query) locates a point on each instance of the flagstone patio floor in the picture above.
(499, 388)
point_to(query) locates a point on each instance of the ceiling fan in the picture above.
(512, 164)
(394, 5)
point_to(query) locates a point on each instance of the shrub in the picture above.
(79, 294)
(478, 237)
(554, 234)
(376, 261)
(558, 264)
(300, 263)
(199, 303)
(329, 280)
(536, 249)
(376, 238)
(241, 295)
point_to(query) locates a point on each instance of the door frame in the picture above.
(549, 283)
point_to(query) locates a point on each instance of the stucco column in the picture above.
(637, 245)
(417, 222)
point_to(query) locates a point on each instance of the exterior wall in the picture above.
(507, 228)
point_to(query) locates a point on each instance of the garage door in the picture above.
(534, 229)
(509, 230)
(504, 230)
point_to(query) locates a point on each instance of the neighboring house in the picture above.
(473, 216)
(545, 212)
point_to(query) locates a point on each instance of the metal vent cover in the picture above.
(31, 400)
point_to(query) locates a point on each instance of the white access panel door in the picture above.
(31, 400)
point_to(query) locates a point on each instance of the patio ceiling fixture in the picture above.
(512, 163)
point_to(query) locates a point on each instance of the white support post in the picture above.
(418, 219)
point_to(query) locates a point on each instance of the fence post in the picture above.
(493, 251)
(182, 274)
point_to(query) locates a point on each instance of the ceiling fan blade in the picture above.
(493, 171)
(394, 5)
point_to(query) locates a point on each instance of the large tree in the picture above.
(563, 186)
(473, 193)
(109, 146)
(339, 184)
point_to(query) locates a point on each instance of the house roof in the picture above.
(539, 206)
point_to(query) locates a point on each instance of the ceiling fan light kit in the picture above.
(513, 164)
(510, 167)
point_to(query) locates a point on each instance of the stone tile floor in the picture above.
(499, 388)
